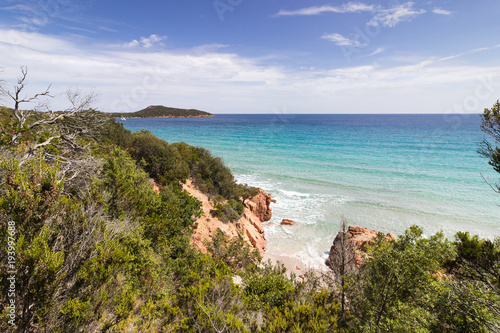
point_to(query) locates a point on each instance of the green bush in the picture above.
(228, 212)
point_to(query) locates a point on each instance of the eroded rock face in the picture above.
(351, 248)
(249, 226)
(260, 205)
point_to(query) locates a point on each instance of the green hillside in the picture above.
(160, 111)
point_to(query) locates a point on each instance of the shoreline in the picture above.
(292, 265)
(205, 116)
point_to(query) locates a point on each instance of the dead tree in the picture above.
(15, 96)
(57, 134)
(64, 130)
(44, 116)
(343, 264)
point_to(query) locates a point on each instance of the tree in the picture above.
(400, 284)
(491, 126)
(15, 95)
(343, 265)
(477, 279)
(60, 136)
(43, 116)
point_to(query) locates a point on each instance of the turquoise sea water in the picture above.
(384, 172)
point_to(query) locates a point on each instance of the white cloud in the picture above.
(392, 16)
(340, 40)
(131, 43)
(351, 7)
(146, 42)
(377, 51)
(129, 80)
(19, 8)
(469, 52)
(440, 11)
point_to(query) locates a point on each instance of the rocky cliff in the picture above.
(351, 248)
(249, 226)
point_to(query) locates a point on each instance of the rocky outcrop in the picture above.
(249, 226)
(351, 248)
(155, 186)
(287, 222)
(260, 205)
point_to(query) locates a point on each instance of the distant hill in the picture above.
(160, 111)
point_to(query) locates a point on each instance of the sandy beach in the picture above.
(292, 265)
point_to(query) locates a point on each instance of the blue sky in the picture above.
(242, 56)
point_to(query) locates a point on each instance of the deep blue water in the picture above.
(385, 172)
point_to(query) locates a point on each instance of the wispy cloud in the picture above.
(469, 52)
(340, 40)
(392, 16)
(146, 42)
(107, 29)
(377, 51)
(220, 81)
(19, 8)
(208, 48)
(388, 17)
(440, 11)
(351, 7)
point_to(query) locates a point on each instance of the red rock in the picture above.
(257, 224)
(260, 205)
(302, 276)
(270, 224)
(357, 241)
(256, 239)
(390, 236)
(287, 222)
(297, 267)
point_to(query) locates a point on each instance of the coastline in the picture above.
(292, 265)
(318, 179)
(203, 116)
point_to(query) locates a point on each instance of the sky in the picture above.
(259, 56)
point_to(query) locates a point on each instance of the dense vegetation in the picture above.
(97, 250)
(160, 111)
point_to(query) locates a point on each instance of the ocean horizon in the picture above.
(381, 171)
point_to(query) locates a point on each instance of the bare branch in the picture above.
(80, 102)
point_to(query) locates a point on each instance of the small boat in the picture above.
(122, 118)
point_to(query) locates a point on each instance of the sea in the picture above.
(384, 172)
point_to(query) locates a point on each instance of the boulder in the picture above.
(260, 205)
(287, 222)
(356, 241)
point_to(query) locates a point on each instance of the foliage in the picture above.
(491, 126)
(235, 253)
(398, 286)
(97, 250)
(477, 283)
(230, 211)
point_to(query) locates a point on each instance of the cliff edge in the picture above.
(249, 225)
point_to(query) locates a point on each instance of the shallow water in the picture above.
(384, 172)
